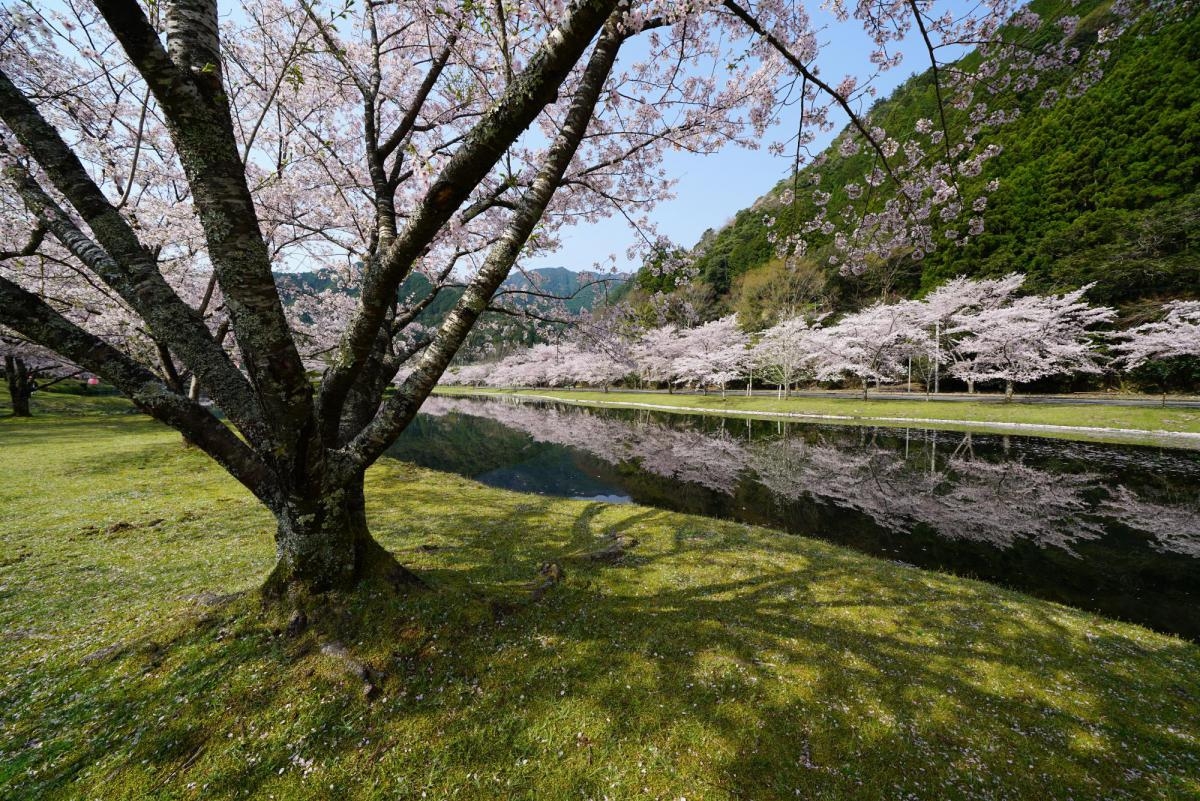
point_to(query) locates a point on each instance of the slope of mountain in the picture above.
(1101, 188)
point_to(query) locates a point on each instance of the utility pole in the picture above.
(937, 353)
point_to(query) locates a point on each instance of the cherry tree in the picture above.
(1030, 338)
(1176, 334)
(469, 374)
(656, 354)
(785, 353)
(870, 345)
(392, 138)
(712, 353)
(170, 159)
(600, 368)
(939, 313)
(28, 368)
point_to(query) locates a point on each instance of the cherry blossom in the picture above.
(1176, 334)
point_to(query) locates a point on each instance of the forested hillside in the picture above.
(1098, 188)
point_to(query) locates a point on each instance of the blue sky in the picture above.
(711, 189)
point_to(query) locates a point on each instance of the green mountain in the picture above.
(497, 333)
(1104, 187)
(585, 291)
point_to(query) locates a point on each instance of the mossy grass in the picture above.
(1099, 422)
(713, 661)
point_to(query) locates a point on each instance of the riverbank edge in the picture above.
(1121, 436)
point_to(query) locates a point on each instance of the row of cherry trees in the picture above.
(974, 331)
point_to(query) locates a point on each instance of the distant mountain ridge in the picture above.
(582, 292)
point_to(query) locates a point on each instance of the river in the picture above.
(1110, 528)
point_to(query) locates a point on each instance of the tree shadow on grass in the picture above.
(722, 662)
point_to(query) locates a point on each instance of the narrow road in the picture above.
(1183, 402)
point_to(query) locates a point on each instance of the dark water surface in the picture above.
(1110, 528)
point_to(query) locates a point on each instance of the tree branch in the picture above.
(35, 319)
(782, 48)
(400, 409)
(121, 261)
(522, 101)
(187, 83)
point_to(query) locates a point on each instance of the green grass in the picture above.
(1138, 424)
(720, 661)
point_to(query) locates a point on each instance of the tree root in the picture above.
(370, 677)
(614, 547)
(549, 574)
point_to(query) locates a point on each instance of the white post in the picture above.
(937, 353)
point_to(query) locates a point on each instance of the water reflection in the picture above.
(1111, 528)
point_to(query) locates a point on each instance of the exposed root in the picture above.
(549, 574)
(614, 547)
(370, 677)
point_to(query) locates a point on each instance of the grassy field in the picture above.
(716, 661)
(1136, 424)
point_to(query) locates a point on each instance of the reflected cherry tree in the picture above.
(935, 480)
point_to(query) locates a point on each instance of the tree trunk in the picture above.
(323, 544)
(20, 387)
(864, 389)
(1008, 391)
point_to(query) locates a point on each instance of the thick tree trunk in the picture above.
(323, 544)
(1008, 391)
(20, 387)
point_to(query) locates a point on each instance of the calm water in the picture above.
(1114, 529)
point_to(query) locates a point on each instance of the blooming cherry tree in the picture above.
(871, 345)
(713, 353)
(785, 354)
(1030, 338)
(941, 310)
(1176, 335)
(656, 354)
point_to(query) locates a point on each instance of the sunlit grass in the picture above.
(720, 661)
(1124, 424)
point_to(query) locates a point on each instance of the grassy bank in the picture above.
(1096, 422)
(717, 661)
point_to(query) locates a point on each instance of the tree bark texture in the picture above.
(323, 543)
(20, 385)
